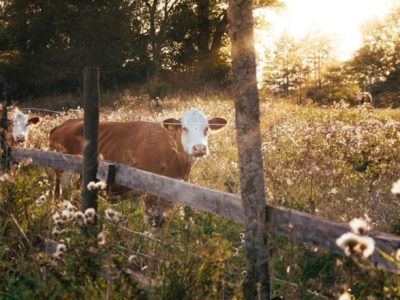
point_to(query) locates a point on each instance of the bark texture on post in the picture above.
(90, 135)
(5, 155)
(257, 283)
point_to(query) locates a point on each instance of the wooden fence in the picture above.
(282, 221)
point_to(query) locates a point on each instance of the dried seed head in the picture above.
(360, 225)
(353, 244)
(91, 186)
(61, 247)
(101, 185)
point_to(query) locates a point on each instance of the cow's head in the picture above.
(20, 123)
(194, 127)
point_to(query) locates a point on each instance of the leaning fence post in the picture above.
(90, 135)
(257, 282)
(5, 155)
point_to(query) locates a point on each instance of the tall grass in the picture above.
(335, 162)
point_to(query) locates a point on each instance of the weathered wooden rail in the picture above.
(282, 221)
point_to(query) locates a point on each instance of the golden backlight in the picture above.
(340, 19)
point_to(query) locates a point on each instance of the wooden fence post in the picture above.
(5, 156)
(257, 282)
(90, 135)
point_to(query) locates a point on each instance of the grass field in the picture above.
(336, 162)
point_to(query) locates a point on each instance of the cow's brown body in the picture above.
(146, 146)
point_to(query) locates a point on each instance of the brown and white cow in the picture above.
(363, 97)
(17, 130)
(168, 149)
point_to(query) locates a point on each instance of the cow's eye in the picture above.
(206, 131)
(185, 129)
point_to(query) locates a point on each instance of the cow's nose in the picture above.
(20, 138)
(199, 150)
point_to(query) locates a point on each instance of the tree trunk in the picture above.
(257, 282)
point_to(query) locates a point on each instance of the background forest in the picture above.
(182, 45)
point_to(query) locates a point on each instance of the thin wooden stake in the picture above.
(257, 282)
(90, 135)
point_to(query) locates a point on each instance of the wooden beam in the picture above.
(282, 221)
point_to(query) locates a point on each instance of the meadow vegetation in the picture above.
(337, 162)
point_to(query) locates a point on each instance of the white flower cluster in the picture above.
(100, 185)
(113, 215)
(355, 242)
(60, 250)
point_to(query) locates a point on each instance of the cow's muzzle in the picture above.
(199, 150)
(20, 139)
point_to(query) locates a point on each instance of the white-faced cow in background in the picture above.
(18, 126)
(168, 149)
(364, 97)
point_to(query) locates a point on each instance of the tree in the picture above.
(52, 41)
(376, 65)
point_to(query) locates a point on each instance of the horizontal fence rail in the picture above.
(282, 221)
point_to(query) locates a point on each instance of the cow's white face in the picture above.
(195, 128)
(20, 125)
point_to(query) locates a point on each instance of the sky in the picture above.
(341, 19)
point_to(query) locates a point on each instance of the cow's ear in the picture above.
(33, 120)
(172, 124)
(217, 123)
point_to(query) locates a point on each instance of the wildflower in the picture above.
(57, 255)
(101, 185)
(61, 248)
(56, 231)
(396, 188)
(5, 178)
(66, 215)
(89, 215)
(56, 216)
(101, 239)
(91, 186)
(131, 258)
(345, 296)
(397, 255)
(113, 215)
(39, 201)
(352, 243)
(360, 226)
(79, 216)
